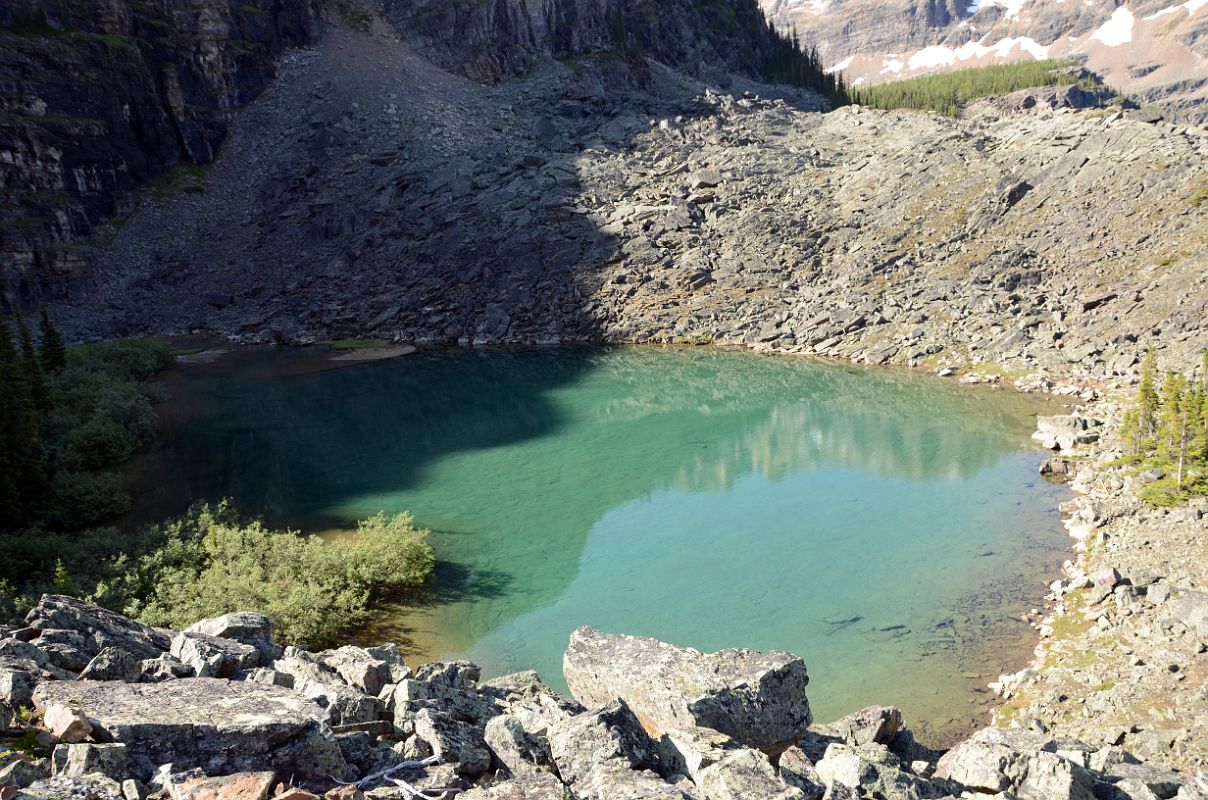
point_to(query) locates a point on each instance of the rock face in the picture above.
(757, 698)
(218, 725)
(1151, 49)
(101, 95)
(493, 41)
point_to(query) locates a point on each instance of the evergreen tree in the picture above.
(39, 392)
(1170, 422)
(53, 352)
(1140, 421)
(63, 583)
(21, 477)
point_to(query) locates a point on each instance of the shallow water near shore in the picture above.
(887, 526)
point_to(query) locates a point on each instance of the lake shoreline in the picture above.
(1020, 648)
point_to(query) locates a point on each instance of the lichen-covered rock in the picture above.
(212, 656)
(611, 740)
(1032, 766)
(76, 760)
(164, 668)
(357, 667)
(344, 704)
(22, 772)
(529, 786)
(219, 725)
(799, 771)
(455, 741)
(871, 770)
(86, 787)
(114, 663)
(96, 627)
(245, 627)
(744, 773)
(757, 698)
(872, 725)
(516, 748)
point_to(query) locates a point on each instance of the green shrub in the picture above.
(212, 564)
(79, 499)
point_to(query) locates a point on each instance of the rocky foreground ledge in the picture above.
(219, 711)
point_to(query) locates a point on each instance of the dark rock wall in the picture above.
(98, 96)
(497, 39)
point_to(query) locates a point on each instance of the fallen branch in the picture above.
(420, 794)
(368, 779)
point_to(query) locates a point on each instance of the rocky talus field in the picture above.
(378, 189)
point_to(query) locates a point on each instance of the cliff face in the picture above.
(494, 40)
(97, 96)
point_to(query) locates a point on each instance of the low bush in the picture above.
(211, 563)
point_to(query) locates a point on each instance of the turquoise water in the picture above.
(886, 526)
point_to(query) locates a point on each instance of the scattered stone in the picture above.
(67, 724)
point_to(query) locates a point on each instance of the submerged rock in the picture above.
(757, 698)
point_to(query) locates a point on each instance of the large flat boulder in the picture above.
(96, 628)
(216, 725)
(756, 698)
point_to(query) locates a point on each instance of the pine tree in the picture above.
(21, 476)
(1169, 419)
(63, 583)
(53, 352)
(34, 376)
(1147, 402)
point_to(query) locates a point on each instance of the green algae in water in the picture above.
(886, 526)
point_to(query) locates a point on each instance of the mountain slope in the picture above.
(1155, 50)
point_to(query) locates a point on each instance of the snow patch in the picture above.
(1117, 30)
(891, 65)
(943, 56)
(1013, 7)
(842, 65)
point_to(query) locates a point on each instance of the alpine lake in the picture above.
(888, 526)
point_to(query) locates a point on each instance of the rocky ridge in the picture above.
(1058, 240)
(355, 722)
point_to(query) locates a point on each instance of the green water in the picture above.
(886, 526)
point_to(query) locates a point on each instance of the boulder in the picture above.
(799, 771)
(245, 627)
(164, 668)
(85, 787)
(240, 786)
(66, 723)
(744, 773)
(17, 682)
(529, 786)
(343, 704)
(357, 667)
(756, 698)
(872, 725)
(515, 748)
(213, 657)
(456, 742)
(96, 627)
(609, 738)
(219, 725)
(20, 772)
(114, 663)
(690, 750)
(1031, 765)
(76, 760)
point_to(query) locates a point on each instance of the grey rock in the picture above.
(745, 773)
(114, 663)
(757, 698)
(96, 627)
(213, 657)
(85, 787)
(344, 704)
(610, 739)
(205, 722)
(875, 724)
(456, 742)
(515, 748)
(529, 786)
(246, 627)
(798, 770)
(21, 772)
(76, 760)
(357, 667)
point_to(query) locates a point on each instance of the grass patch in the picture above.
(1103, 686)
(355, 344)
(356, 19)
(181, 178)
(1199, 197)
